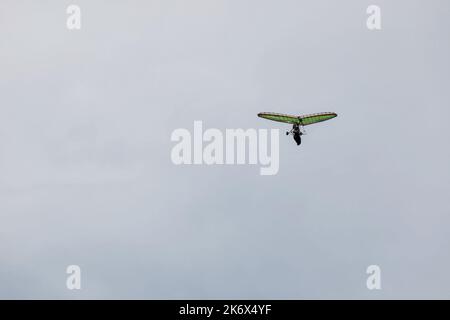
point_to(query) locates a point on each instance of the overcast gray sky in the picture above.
(86, 176)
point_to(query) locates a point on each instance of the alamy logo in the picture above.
(215, 147)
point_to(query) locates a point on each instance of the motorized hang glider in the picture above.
(298, 121)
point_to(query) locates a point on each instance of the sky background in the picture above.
(86, 176)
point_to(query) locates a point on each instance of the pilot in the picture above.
(297, 133)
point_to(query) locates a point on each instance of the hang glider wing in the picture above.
(300, 120)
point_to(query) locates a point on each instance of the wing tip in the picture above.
(263, 114)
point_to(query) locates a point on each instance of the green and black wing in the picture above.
(300, 120)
